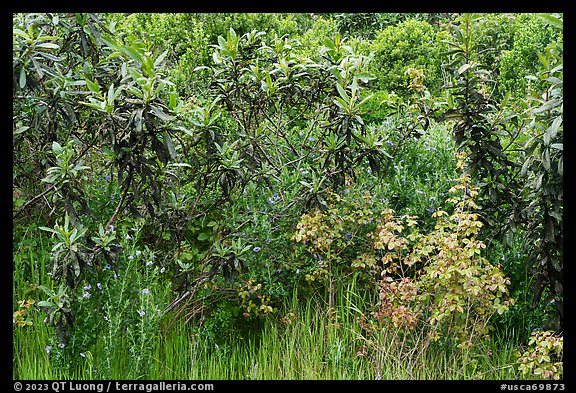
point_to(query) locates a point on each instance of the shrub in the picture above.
(410, 44)
(543, 358)
(531, 36)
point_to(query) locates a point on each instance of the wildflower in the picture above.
(112, 197)
(273, 199)
(145, 291)
(130, 257)
(389, 143)
(128, 237)
(61, 345)
(256, 249)
(107, 267)
(48, 348)
(86, 295)
(99, 286)
(82, 354)
(141, 313)
(110, 229)
(148, 263)
(297, 271)
(88, 287)
(106, 318)
(107, 177)
(138, 252)
(162, 270)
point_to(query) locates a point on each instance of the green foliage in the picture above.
(202, 169)
(410, 43)
(543, 173)
(481, 125)
(544, 358)
(531, 36)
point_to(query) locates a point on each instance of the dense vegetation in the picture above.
(287, 196)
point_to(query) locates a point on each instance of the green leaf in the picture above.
(47, 304)
(92, 86)
(342, 93)
(160, 59)
(22, 80)
(204, 236)
(48, 45)
(134, 54)
(463, 68)
(158, 112)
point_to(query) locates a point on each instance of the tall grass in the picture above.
(316, 344)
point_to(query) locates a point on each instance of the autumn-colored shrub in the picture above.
(439, 281)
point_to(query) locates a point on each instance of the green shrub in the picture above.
(531, 37)
(410, 44)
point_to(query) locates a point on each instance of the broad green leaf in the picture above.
(160, 59)
(463, 68)
(22, 80)
(49, 230)
(92, 86)
(48, 45)
(204, 236)
(342, 93)
(47, 304)
(134, 54)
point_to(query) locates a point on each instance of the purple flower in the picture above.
(107, 177)
(99, 286)
(87, 287)
(48, 348)
(141, 313)
(256, 249)
(145, 291)
(162, 270)
(86, 295)
(61, 345)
